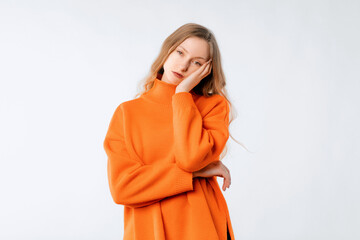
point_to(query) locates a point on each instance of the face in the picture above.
(190, 55)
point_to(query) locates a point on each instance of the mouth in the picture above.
(178, 75)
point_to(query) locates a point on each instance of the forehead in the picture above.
(197, 47)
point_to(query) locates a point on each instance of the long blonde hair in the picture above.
(214, 83)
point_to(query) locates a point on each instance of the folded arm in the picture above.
(133, 183)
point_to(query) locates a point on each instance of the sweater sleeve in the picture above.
(131, 182)
(199, 140)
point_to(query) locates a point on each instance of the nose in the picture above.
(184, 65)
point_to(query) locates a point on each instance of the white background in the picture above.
(292, 70)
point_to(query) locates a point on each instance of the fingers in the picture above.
(226, 183)
(203, 71)
(216, 169)
(227, 177)
(206, 69)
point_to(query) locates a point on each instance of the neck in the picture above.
(161, 92)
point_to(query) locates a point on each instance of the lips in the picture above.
(178, 75)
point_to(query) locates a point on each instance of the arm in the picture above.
(132, 183)
(199, 141)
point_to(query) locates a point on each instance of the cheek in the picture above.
(169, 62)
(191, 70)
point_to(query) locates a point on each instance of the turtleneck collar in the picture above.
(161, 92)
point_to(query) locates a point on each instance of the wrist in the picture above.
(180, 90)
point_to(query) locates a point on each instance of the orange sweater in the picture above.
(153, 145)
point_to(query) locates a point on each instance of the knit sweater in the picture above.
(153, 145)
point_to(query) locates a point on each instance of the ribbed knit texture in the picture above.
(153, 144)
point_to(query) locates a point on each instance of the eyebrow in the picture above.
(188, 52)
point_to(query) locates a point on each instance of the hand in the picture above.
(194, 78)
(215, 169)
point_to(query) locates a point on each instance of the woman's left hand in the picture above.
(194, 78)
(215, 169)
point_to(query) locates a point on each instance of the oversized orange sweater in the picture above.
(153, 144)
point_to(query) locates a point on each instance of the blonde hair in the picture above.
(214, 83)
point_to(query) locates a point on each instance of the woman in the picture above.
(164, 147)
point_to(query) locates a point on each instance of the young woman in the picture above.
(164, 147)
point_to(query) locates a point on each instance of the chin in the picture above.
(173, 80)
(176, 82)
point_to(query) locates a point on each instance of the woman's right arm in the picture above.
(132, 183)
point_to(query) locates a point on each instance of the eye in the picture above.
(180, 52)
(199, 64)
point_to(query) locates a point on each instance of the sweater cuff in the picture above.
(184, 181)
(183, 99)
